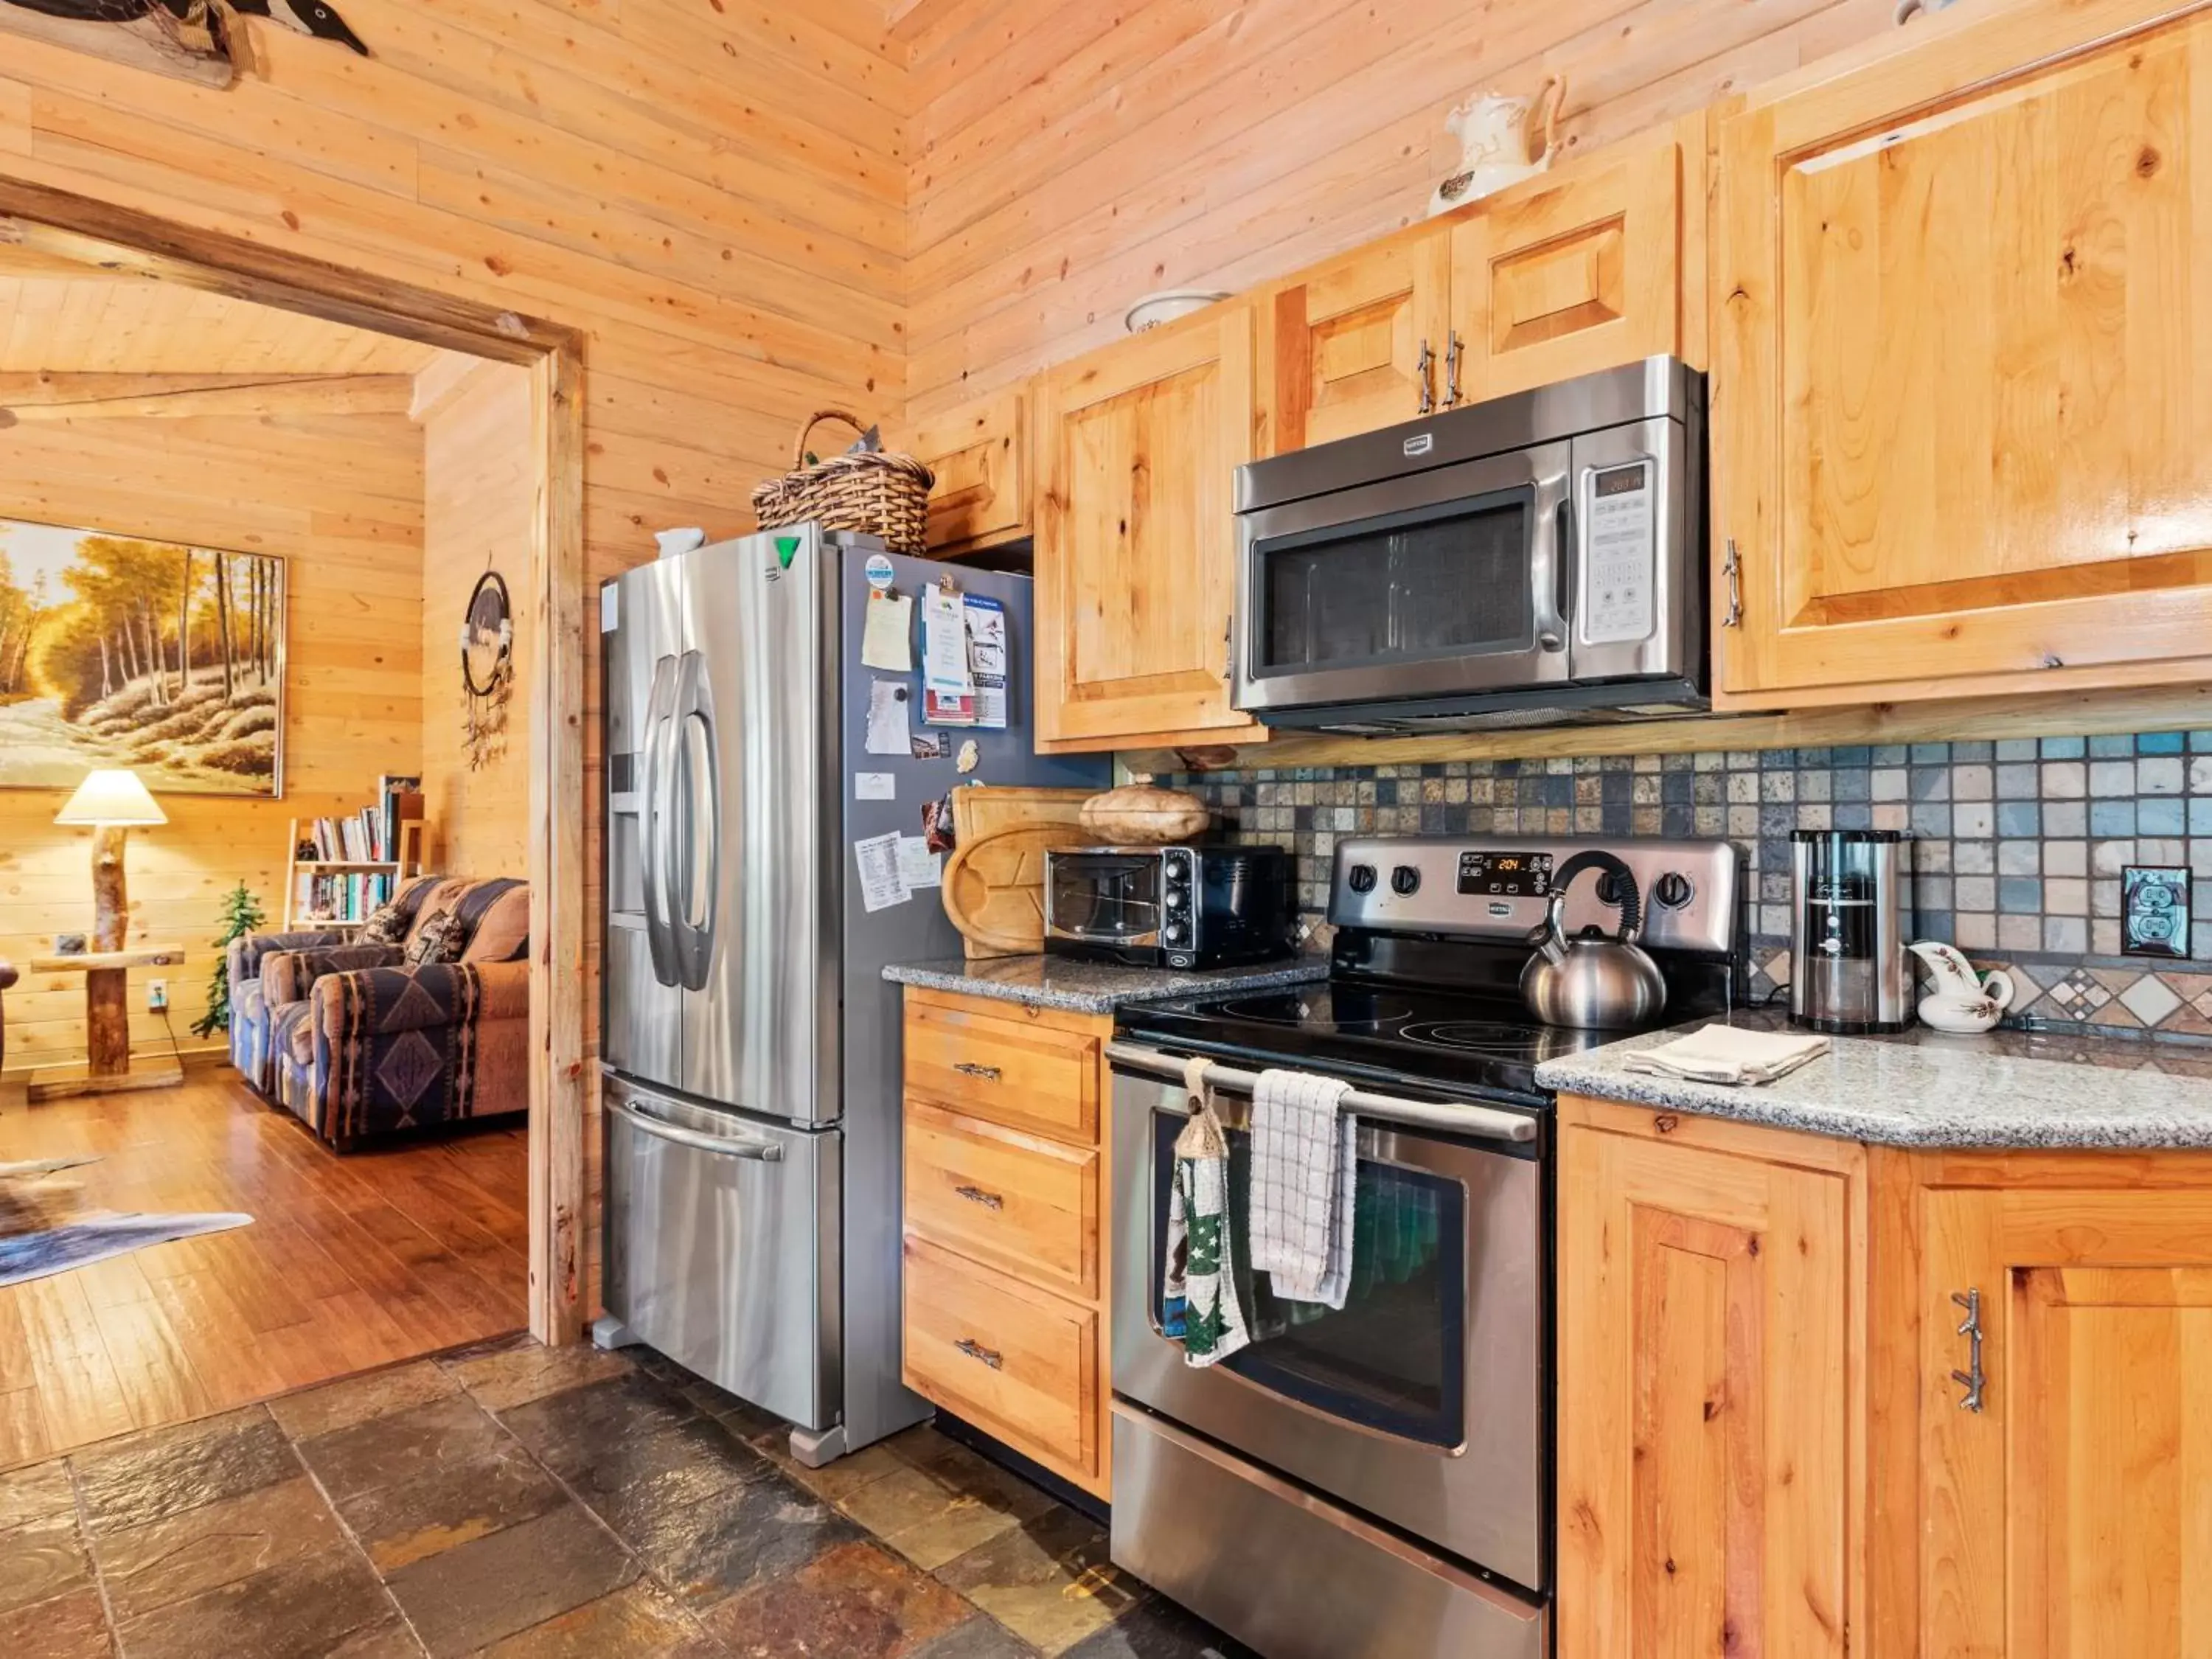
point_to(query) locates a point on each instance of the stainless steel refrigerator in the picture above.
(750, 1046)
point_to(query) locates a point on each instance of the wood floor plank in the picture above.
(350, 1262)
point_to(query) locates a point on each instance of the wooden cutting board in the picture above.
(994, 883)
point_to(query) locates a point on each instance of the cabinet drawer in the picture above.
(1018, 1362)
(1002, 1197)
(1031, 1076)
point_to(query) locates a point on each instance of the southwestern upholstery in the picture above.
(249, 1021)
(262, 980)
(381, 1048)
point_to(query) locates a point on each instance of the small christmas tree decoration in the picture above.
(241, 914)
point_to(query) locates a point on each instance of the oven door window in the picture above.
(1113, 901)
(1452, 580)
(1393, 1358)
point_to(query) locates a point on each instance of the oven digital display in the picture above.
(1508, 875)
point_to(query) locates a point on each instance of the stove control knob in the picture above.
(1176, 933)
(1405, 880)
(1672, 890)
(1362, 878)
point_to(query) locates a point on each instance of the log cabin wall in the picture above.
(479, 497)
(340, 497)
(714, 195)
(1070, 156)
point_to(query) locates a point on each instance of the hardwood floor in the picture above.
(350, 1263)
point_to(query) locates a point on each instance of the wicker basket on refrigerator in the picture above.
(875, 493)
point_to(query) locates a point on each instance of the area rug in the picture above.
(80, 1244)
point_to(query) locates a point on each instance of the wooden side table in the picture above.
(107, 1025)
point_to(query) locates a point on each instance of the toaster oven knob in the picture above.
(1405, 880)
(1361, 879)
(1176, 933)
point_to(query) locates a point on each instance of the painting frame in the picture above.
(68, 629)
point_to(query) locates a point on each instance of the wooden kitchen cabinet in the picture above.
(1596, 263)
(1706, 1395)
(1358, 344)
(2070, 1516)
(1004, 1300)
(980, 452)
(1762, 1443)
(1960, 408)
(1136, 535)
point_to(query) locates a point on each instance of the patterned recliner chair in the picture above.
(249, 959)
(384, 1048)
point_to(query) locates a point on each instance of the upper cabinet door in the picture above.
(1962, 415)
(1358, 344)
(2068, 1516)
(980, 453)
(1577, 269)
(1136, 543)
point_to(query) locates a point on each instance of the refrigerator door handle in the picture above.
(654, 843)
(692, 727)
(760, 1152)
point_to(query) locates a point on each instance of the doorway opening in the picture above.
(295, 553)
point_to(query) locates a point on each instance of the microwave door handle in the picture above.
(1551, 560)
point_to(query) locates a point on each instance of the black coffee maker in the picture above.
(1848, 915)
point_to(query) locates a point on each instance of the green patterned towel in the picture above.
(1200, 1302)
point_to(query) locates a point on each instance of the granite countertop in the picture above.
(1094, 987)
(1931, 1089)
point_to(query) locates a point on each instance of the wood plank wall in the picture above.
(1071, 156)
(714, 192)
(479, 497)
(341, 497)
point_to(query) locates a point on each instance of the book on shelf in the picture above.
(345, 897)
(368, 836)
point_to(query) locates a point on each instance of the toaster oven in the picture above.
(1170, 907)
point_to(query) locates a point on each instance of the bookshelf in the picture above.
(341, 892)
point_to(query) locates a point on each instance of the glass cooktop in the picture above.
(1487, 1041)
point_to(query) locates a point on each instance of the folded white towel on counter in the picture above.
(1305, 1167)
(1726, 1053)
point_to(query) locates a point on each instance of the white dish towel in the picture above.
(1305, 1167)
(1729, 1055)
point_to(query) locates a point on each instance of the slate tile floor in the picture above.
(516, 1502)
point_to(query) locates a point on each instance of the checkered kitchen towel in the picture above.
(1305, 1167)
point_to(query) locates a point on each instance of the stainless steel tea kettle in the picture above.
(1592, 983)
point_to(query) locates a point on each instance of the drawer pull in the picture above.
(977, 1195)
(976, 1349)
(1974, 1380)
(969, 1068)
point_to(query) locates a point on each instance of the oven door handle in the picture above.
(1484, 1122)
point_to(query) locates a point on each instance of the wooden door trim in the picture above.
(99, 232)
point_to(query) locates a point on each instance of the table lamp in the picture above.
(114, 802)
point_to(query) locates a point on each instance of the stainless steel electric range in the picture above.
(1379, 1479)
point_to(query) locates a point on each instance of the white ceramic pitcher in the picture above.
(1961, 1001)
(1493, 130)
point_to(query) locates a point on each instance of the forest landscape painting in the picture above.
(121, 651)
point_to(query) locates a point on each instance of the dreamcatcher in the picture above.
(487, 669)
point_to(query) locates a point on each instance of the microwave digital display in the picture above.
(1506, 875)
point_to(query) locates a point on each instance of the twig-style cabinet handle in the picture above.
(976, 1349)
(977, 1195)
(969, 1068)
(1974, 1379)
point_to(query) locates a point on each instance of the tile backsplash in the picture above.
(2018, 844)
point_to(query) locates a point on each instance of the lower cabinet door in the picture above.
(2066, 1503)
(1703, 1402)
(1018, 1362)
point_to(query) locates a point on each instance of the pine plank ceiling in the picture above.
(71, 320)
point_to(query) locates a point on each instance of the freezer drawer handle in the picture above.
(976, 1349)
(761, 1152)
(977, 1195)
(969, 1068)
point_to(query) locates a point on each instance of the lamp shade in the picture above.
(113, 797)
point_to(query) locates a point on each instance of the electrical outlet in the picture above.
(157, 994)
(2154, 911)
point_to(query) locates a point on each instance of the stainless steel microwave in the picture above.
(1532, 559)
